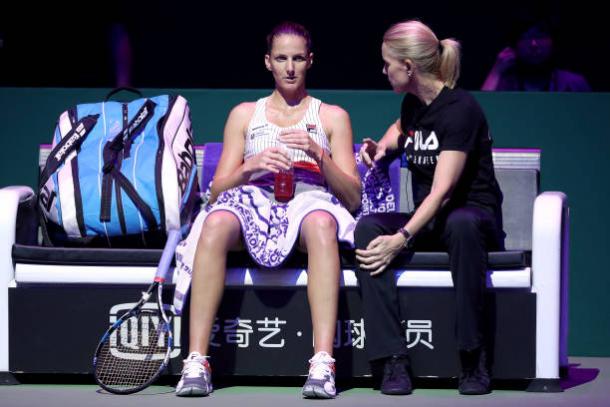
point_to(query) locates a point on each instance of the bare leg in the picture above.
(219, 234)
(319, 238)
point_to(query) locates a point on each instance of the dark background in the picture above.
(220, 44)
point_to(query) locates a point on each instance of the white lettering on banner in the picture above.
(353, 332)
(273, 327)
(419, 328)
(133, 335)
(268, 333)
(238, 331)
(129, 334)
(146, 320)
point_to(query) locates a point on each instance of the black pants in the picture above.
(467, 234)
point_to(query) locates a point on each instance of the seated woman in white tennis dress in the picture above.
(288, 131)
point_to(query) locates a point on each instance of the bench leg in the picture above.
(7, 378)
(545, 386)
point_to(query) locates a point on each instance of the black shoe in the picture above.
(396, 379)
(474, 378)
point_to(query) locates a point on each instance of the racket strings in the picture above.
(134, 353)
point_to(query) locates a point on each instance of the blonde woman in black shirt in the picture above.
(445, 136)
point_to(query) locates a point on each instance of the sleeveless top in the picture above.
(262, 134)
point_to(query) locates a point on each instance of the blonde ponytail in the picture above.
(449, 68)
(416, 41)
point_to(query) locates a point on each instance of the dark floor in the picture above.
(586, 385)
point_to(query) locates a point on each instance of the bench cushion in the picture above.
(23, 254)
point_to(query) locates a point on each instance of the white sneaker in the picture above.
(320, 383)
(196, 380)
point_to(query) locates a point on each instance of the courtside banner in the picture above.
(259, 332)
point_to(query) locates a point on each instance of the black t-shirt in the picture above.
(453, 121)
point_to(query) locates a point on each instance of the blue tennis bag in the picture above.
(120, 174)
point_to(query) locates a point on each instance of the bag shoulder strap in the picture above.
(71, 142)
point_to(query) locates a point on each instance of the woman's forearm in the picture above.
(448, 170)
(391, 137)
(425, 212)
(238, 177)
(344, 186)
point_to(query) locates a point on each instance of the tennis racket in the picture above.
(135, 350)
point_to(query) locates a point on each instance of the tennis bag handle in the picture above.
(120, 89)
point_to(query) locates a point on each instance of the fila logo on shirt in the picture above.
(417, 138)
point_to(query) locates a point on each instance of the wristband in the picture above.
(407, 235)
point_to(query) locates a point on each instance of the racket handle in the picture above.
(173, 238)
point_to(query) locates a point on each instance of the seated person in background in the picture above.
(287, 131)
(529, 64)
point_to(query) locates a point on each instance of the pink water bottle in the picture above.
(283, 185)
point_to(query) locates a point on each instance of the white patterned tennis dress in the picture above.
(270, 229)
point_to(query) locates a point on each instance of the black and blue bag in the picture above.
(120, 174)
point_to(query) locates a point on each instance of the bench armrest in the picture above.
(550, 253)
(10, 199)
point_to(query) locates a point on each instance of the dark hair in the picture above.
(524, 24)
(288, 27)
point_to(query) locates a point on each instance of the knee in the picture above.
(320, 225)
(217, 228)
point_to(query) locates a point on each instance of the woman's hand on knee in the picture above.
(379, 253)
